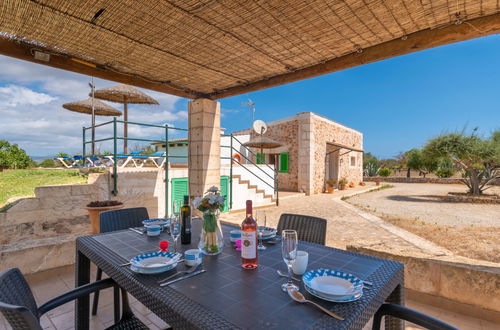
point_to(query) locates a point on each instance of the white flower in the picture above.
(212, 199)
(213, 189)
(197, 202)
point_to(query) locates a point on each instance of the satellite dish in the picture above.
(259, 126)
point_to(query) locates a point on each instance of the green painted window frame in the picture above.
(260, 158)
(283, 165)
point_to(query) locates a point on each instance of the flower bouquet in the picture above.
(211, 240)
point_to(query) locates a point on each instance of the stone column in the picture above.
(306, 155)
(204, 145)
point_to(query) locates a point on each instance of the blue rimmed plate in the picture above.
(161, 222)
(332, 283)
(337, 299)
(154, 262)
(267, 232)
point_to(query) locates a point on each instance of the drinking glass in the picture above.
(259, 217)
(175, 230)
(289, 250)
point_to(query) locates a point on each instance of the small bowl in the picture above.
(235, 235)
(153, 230)
(193, 257)
(161, 222)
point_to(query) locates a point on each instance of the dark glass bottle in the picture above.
(249, 258)
(186, 222)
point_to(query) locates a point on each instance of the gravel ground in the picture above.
(469, 230)
(420, 201)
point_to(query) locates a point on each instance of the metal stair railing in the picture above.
(115, 139)
(238, 152)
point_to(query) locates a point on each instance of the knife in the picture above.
(183, 277)
(136, 230)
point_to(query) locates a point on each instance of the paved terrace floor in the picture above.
(51, 283)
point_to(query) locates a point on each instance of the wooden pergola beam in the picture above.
(23, 51)
(414, 42)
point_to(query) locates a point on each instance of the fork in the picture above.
(189, 271)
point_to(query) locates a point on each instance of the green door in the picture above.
(224, 191)
(180, 188)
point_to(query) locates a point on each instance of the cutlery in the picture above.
(126, 264)
(189, 271)
(280, 273)
(183, 277)
(299, 297)
(137, 231)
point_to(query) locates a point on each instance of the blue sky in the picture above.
(398, 103)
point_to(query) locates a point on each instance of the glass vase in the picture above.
(211, 240)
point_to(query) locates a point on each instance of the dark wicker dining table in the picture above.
(228, 297)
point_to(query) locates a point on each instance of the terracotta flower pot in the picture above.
(330, 189)
(342, 186)
(94, 215)
(377, 182)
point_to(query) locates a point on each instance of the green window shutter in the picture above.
(224, 191)
(261, 158)
(283, 162)
(180, 188)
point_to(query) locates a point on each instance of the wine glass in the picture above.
(175, 230)
(259, 216)
(289, 250)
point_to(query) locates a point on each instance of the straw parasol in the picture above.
(93, 107)
(85, 106)
(124, 94)
(262, 142)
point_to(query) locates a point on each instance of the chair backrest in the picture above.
(17, 303)
(122, 219)
(309, 229)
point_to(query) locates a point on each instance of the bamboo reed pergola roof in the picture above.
(216, 49)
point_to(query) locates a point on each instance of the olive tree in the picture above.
(476, 157)
(422, 162)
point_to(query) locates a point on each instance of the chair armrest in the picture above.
(74, 294)
(410, 315)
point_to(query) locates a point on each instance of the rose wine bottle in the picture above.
(249, 240)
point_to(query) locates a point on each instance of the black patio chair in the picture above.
(309, 229)
(19, 308)
(409, 315)
(118, 220)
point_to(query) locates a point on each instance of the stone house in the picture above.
(314, 149)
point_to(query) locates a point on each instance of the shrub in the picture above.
(445, 172)
(343, 181)
(11, 156)
(48, 163)
(385, 172)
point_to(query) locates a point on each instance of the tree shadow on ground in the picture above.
(418, 198)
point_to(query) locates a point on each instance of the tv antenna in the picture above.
(251, 105)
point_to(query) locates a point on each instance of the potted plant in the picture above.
(95, 208)
(330, 185)
(351, 184)
(342, 183)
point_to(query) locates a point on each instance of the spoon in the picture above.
(280, 273)
(299, 297)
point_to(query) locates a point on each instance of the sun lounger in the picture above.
(140, 161)
(125, 158)
(70, 162)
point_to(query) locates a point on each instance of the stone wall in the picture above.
(286, 134)
(38, 233)
(325, 131)
(421, 180)
(464, 280)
